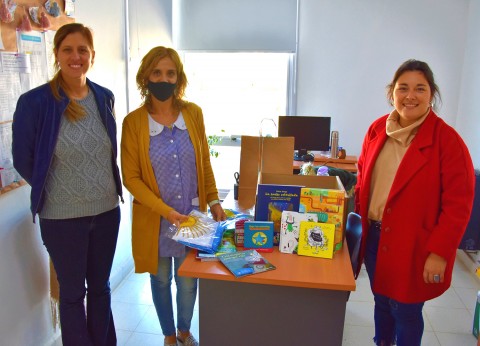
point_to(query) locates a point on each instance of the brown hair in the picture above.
(149, 61)
(74, 110)
(415, 65)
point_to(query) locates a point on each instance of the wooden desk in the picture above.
(349, 163)
(303, 299)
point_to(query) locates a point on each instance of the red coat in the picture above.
(427, 209)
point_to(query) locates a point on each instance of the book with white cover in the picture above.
(289, 229)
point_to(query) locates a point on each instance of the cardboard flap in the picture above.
(262, 154)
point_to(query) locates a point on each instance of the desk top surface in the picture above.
(292, 270)
(349, 163)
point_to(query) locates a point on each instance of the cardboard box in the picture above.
(324, 182)
(262, 154)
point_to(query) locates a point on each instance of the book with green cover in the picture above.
(245, 262)
(227, 245)
(328, 205)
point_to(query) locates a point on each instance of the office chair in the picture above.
(353, 235)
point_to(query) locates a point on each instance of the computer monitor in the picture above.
(310, 133)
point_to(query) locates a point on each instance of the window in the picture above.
(236, 91)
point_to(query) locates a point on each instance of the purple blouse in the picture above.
(173, 161)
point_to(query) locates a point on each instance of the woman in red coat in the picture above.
(414, 191)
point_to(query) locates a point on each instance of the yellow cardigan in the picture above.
(139, 179)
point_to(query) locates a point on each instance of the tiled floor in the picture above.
(448, 319)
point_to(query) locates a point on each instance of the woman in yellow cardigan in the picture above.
(166, 167)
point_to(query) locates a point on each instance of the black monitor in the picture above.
(310, 133)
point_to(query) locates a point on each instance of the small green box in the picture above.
(476, 318)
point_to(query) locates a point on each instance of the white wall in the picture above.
(349, 51)
(107, 19)
(468, 121)
(24, 291)
(150, 25)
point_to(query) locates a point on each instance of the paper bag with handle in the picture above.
(262, 154)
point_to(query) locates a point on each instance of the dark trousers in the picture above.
(82, 250)
(394, 321)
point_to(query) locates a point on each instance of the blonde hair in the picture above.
(74, 110)
(149, 61)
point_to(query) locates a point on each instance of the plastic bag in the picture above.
(198, 232)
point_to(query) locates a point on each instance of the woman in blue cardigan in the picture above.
(65, 147)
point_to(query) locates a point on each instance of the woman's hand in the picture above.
(218, 213)
(434, 265)
(175, 218)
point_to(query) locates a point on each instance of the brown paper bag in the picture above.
(262, 154)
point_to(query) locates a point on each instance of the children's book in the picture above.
(258, 235)
(290, 229)
(272, 199)
(227, 245)
(328, 204)
(205, 256)
(245, 262)
(316, 239)
(239, 232)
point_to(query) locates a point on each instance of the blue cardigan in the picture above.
(36, 123)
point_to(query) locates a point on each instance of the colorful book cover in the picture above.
(239, 232)
(258, 235)
(227, 245)
(316, 239)
(205, 256)
(328, 204)
(245, 262)
(290, 229)
(272, 199)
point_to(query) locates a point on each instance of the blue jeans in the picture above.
(162, 295)
(394, 321)
(82, 249)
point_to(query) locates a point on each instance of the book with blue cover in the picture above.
(258, 235)
(272, 200)
(245, 262)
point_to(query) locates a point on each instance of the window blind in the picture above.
(235, 25)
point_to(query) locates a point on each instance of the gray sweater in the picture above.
(80, 179)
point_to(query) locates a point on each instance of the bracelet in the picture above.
(212, 203)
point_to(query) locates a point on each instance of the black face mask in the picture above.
(161, 90)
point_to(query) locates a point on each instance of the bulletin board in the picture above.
(9, 30)
(26, 61)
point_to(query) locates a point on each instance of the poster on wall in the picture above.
(33, 44)
(49, 36)
(26, 61)
(5, 143)
(9, 93)
(70, 8)
(1, 41)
